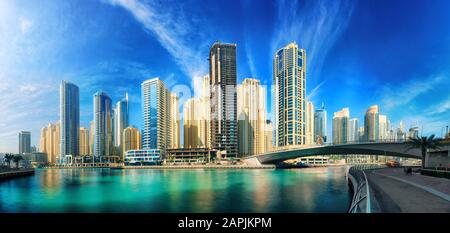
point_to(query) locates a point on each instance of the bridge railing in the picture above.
(361, 201)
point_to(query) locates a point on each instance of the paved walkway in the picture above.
(397, 192)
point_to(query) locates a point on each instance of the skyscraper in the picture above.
(50, 142)
(174, 121)
(289, 78)
(91, 137)
(371, 124)
(353, 135)
(268, 136)
(84, 141)
(120, 122)
(383, 127)
(156, 115)
(131, 139)
(320, 125)
(69, 119)
(251, 113)
(340, 126)
(191, 124)
(309, 123)
(224, 131)
(205, 120)
(24, 142)
(103, 143)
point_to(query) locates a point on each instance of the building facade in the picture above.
(353, 135)
(371, 124)
(383, 127)
(49, 142)
(103, 125)
(156, 115)
(251, 112)
(340, 126)
(175, 121)
(121, 121)
(320, 125)
(309, 123)
(289, 79)
(24, 142)
(84, 141)
(223, 98)
(69, 119)
(131, 139)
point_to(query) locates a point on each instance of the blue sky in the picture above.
(393, 53)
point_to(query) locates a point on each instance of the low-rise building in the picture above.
(143, 157)
(188, 155)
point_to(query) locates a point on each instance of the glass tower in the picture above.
(320, 125)
(24, 142)
(289, 78)
(371, 124)
(120, 122)
(102, 125)
(341, 126)
(156, 111)
(223, 98)
(70, 119)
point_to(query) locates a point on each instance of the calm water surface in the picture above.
(147, 190)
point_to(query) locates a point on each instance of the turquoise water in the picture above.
(148, 190)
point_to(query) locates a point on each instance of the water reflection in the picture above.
(148, 190)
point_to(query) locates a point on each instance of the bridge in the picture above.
(397, 149)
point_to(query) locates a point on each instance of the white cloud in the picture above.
(314, 25)
(442, 107)
(176, 32)
(393, 96)
(25, 25)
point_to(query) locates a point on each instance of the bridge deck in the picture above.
(398, 192)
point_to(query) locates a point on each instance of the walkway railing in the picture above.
(361, 202)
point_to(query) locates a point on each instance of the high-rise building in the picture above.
(320, 125)
(174, 121)
(91, 137)
(103, 125)
(50, 142)
(353, 130)
(413, 132)
(191, 117)
(251, 113)
(69, 119)
(309, 123)
(131, 139)
(371, 124)
(205, 120)
(84, 141)
(223, 98)
(383, 127)
(268, 136)
(340, 126)
(121, 119)
(361, 136)
(289, 78)
(156, 115)
(24, 142)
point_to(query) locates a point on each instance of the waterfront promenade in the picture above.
(397, 192)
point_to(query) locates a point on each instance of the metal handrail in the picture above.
(358, 174)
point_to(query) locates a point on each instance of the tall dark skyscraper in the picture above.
(223, 98)
(24, 142)
(103, 123)
(70, 119)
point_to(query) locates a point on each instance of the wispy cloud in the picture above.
(393, 96)
(315, 91)
(314, 25)
(175, 31)
(439, 108)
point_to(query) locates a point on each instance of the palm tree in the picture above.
(424, 143)
(8, 158)
(17, 159)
